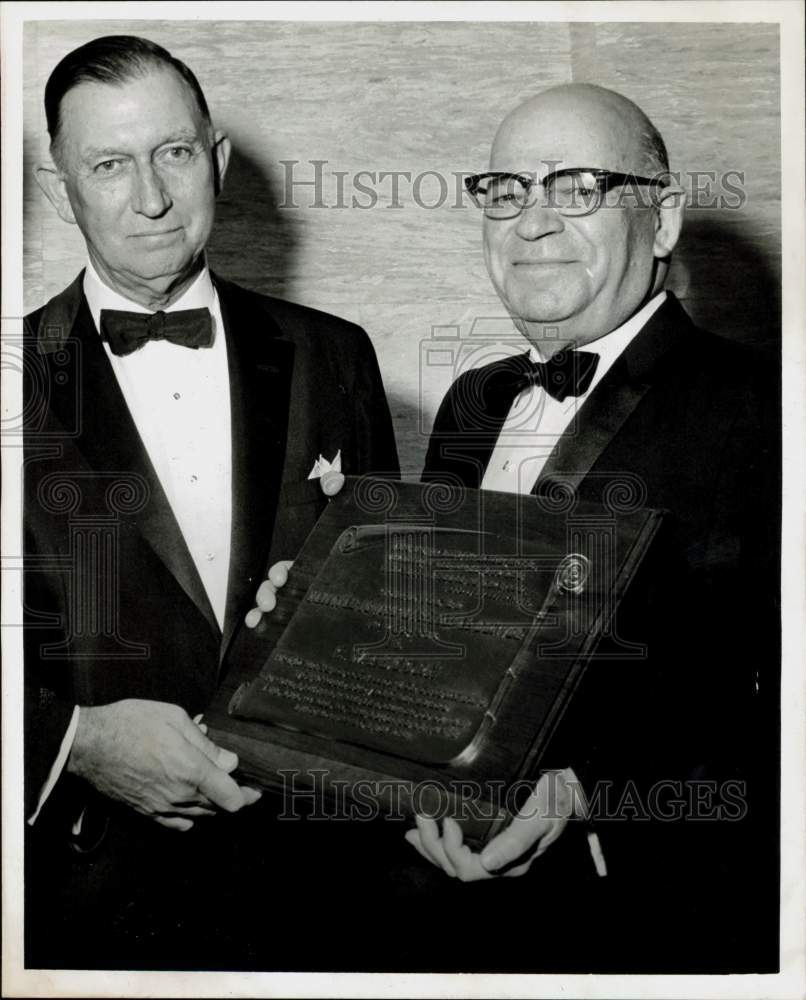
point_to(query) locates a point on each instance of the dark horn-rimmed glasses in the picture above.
(573, 191)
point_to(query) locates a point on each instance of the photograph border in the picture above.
(790, 982)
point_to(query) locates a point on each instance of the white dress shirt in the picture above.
(179, 400)
(536, 420)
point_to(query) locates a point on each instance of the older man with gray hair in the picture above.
(174, 419)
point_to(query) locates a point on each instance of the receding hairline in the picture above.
(113, 60)
(590, 97)
(57, 144)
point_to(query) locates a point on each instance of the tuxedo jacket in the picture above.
(685, 422)
(114, 606)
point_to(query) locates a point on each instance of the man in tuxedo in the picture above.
(173, 419)
(620, 391)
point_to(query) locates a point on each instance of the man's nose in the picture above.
(150, 196)
(537, 219)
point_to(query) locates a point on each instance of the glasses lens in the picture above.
(502, 197)
(576, 193)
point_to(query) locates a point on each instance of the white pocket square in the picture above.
(321, 466)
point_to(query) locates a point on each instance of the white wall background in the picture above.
(422, 97)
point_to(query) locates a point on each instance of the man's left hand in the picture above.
(540, 821)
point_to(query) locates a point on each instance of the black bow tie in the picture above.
(566, 373)
(127, 332)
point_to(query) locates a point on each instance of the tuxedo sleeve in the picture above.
(49, 701)
(49, 709)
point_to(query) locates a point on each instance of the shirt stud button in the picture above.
(177, 395)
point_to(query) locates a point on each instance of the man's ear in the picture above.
(52, 183)
(222, 148)
(671, 206)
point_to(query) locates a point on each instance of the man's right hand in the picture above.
(153, 757)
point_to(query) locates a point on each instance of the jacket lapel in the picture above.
(107, 436)
(616, 397)
(260, 366)
(463, 441)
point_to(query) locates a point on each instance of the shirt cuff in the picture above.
(58, 765)
(580, 808)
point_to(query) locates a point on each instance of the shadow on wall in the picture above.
(729, 281)
(253, 243)
(256, 244)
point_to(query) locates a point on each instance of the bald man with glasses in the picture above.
(617, 389)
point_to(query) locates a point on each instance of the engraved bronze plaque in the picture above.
(430, 634)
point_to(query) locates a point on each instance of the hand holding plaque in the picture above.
(426, 644)
(540, 822)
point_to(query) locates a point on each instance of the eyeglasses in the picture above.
(573, 191)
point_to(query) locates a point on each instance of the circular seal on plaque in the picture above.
(572, 574)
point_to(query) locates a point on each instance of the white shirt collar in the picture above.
(609, 347)
(198, 295)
